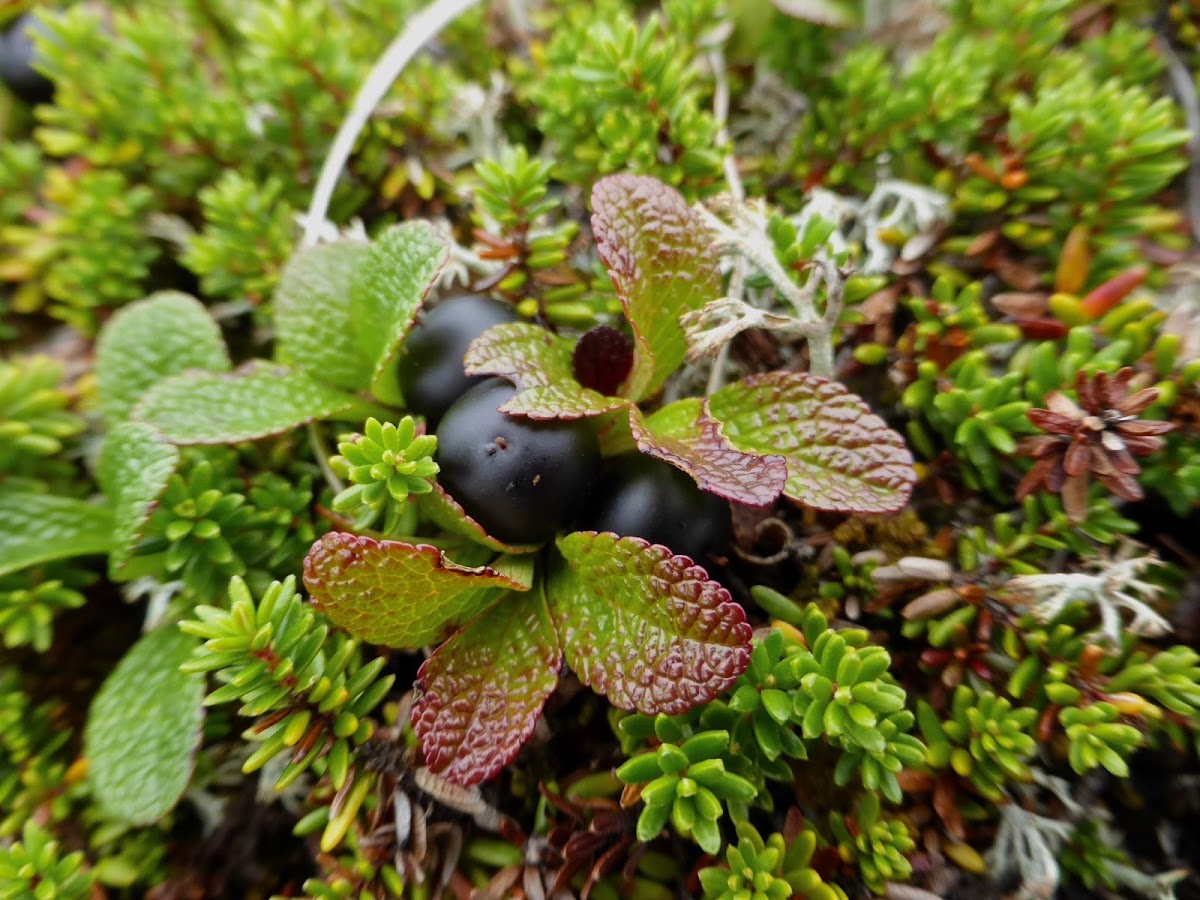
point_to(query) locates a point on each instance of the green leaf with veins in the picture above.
(538, 362)
(647, 629)
(150, 340)
(258, 400)
(396, 594)
(386, 293)
(133, 470)
(686, 436)
(660, 257)
(840, 456)
(479, 696)
(314, 323)
(40, 528)
(143, 729)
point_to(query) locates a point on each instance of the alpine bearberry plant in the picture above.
(716, 449)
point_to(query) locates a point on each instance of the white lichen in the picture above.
(1027, 844)
(1115, 585)
(745, 238)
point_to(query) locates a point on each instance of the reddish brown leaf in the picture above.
(840, 456)
(686, 436)
(647, 629)
(480, 694)
(660, 257)
(396, 594)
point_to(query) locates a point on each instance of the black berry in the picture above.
(17, 57)
(640, 496)
(518, 478)
(431, 370)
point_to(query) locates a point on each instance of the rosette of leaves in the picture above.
(1098, 738)
(310, 690)
(877, 845)
(386, 465)
(1098, 436)
(36, 867)
(763, 730)
(518, 619)
(977, 414)
(985, 740)
(845, 696)
(35, 420)
(686, 784)
(195, 526)
(777, 868)
(29, 602)
(283, 528)
(515, 209)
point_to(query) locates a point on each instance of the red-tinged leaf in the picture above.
(649, 630)
(526, 354)
(396, 594)
(686, 436)
(539, 364)
(562, 401)
(840, 456)
(602, 359)
(661, 260)
(479, 696)
(446, 512)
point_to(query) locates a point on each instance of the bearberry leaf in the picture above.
(662, 264)
(480, 694)
(840, 456)
(152, 339)
(257, 400)
(396, 594)
(39, 528)
(444, 511)
(134, 468)
(143, 729)
(686, 436)
(314, 327)
(540, 364)
(647, 629)
(387, 292)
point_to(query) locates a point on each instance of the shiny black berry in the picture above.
(17, 57)
(639, 496)
(431, 370)
(520, 479)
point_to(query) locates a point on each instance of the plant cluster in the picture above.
(756, 439)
